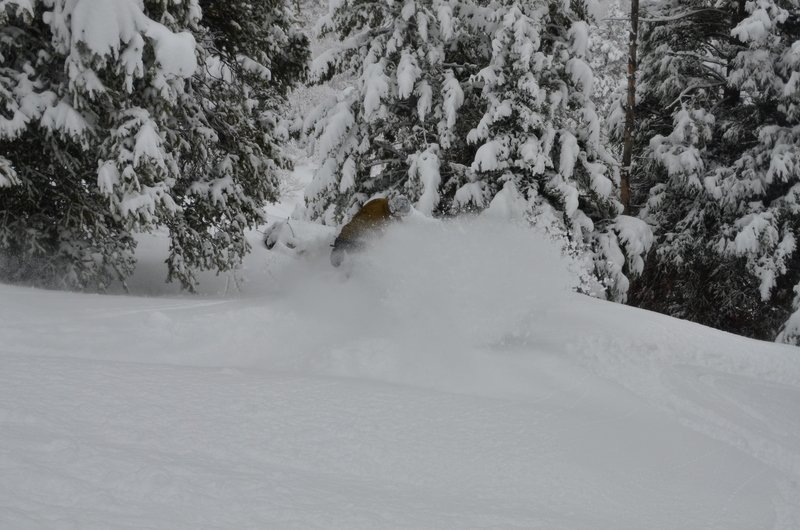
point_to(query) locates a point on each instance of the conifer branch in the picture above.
(682, 15)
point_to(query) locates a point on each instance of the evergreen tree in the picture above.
(397, 128)
(609, 62)
(122, 116)
(540, 134)
(720, 137)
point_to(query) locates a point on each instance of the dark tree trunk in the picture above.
(627, 149)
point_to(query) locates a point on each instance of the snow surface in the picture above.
(451, 381)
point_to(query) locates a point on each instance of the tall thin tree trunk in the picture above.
(627, 149)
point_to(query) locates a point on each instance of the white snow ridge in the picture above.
(452, 380)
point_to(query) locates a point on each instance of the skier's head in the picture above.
(399, 205)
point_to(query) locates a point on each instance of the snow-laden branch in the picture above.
(702, 58)
(687, 90)
(389, 147)
(682, 15)
(667, 19)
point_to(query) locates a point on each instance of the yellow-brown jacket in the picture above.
(373, 216)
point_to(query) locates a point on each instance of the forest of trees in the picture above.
(127, 116)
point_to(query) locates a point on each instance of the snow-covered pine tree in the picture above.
(720, 102)
(253, 53)
(126, 115)
(398, 127)
(608, 41)
(540, 134)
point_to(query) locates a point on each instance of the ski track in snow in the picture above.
(312, 401)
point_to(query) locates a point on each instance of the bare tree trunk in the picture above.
(627, 149)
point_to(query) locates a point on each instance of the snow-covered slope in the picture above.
(451, 381)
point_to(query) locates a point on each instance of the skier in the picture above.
(370, 219)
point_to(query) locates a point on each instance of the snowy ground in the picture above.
(452, 381)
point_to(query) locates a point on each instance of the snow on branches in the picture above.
(125, 115)
(724, 180)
